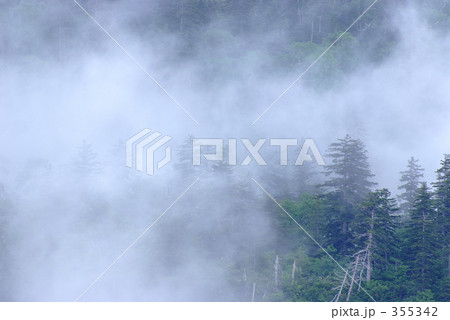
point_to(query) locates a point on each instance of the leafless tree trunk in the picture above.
(355, 267)
(361, 272)
(300, 12)
(60, 43)
(342, 286)
(253, 292)
(276, 267)
(320, 25)
(369, 246)
(293, 272)
(181, 15)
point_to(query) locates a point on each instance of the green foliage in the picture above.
(374, 226)
(422, 241)
(349, 170)
(348, 184)
(408, 260)
(308, 212)
(442, 203)
(423, 296)
(221, 33)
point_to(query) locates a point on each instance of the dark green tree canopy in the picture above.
(349, 172)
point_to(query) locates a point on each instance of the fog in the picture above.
(64, 81)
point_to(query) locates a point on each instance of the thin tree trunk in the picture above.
(353, 278)
(60, 43)
(342, 286)
(320, 25)
(181, 15)
(300, 12)
(253, 292)
(276, 266)
(361, 272)
(293, 272)
(369, 268)
(369, 247)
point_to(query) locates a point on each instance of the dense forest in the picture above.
(313, 233)
(276, 37)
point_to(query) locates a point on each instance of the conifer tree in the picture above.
(410, 182)
(349, 170)
(374, 226)
(348, 184)
(422, 242)
(442, 197)
(86, 162)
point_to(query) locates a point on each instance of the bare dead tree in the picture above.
(358, 267)
(253, 292)
(355, 267)
(293, 272)
(276, 267)
(361, 272)
(341, 287)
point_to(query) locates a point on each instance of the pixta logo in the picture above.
(307, 150)
(142, 147)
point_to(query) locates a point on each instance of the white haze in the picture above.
(399, 107)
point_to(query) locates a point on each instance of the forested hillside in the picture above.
(312, 233)
(275, 36)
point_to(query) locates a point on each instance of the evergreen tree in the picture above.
(349, 183)
(410, 179)
(422, 246)
(374, 226)
(305, 179)
(86, 162)
(442, 198)
(308, 212)
(350, 170)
